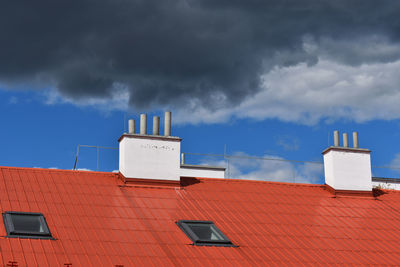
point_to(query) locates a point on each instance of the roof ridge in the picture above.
(230, 180)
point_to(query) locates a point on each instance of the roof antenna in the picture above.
(124, 122)
(329, 139)
(76, 157)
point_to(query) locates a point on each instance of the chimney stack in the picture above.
(345, 140)
(131, 126)
(167, 123)
(348, 169)
(143, 123)
(355, 139)
(336, 138)
(156, 125)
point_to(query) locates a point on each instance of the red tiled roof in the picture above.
(98, 220)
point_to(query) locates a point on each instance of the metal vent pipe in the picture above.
(156, 125)
(355, 139)
(345, 140)
(167, 123)
(336, 138)
(131, 126)
(143, 123)
(182, 158)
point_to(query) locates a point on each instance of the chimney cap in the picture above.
(148, 136)
(346, 149)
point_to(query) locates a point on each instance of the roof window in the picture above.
(204, 233)
(26, 225)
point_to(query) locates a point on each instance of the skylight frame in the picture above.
(197, 241)
(12, 232)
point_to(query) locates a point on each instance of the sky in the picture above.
(253, 78)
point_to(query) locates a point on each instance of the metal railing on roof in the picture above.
(98, 154)
(261, 168)
(253, 167)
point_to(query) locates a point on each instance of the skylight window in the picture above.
(26, 224)
(204, 233)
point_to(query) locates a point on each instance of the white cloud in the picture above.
(13, 100)
(396, 161)
(302, 94)
(85, 169)
(309, 172)
(341, 80)
(337, 79)
(325, 91)
(328, 90)
(268, 168)
(50, 168)
(119, 100)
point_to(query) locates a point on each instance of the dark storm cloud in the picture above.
(166, 51)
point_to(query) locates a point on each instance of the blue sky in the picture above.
(269, 79)
(41, 134)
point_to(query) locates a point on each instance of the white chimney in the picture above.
(348, 168)
(150, 156)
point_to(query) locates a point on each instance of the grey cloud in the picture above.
(166, 52)
(356, 51)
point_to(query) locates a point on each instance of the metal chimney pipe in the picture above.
(167, 123)
(355, 139)
(182, 158)
(143, 123)
(336, 138)
(345, 140)
(131, 126)
(156, 125)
